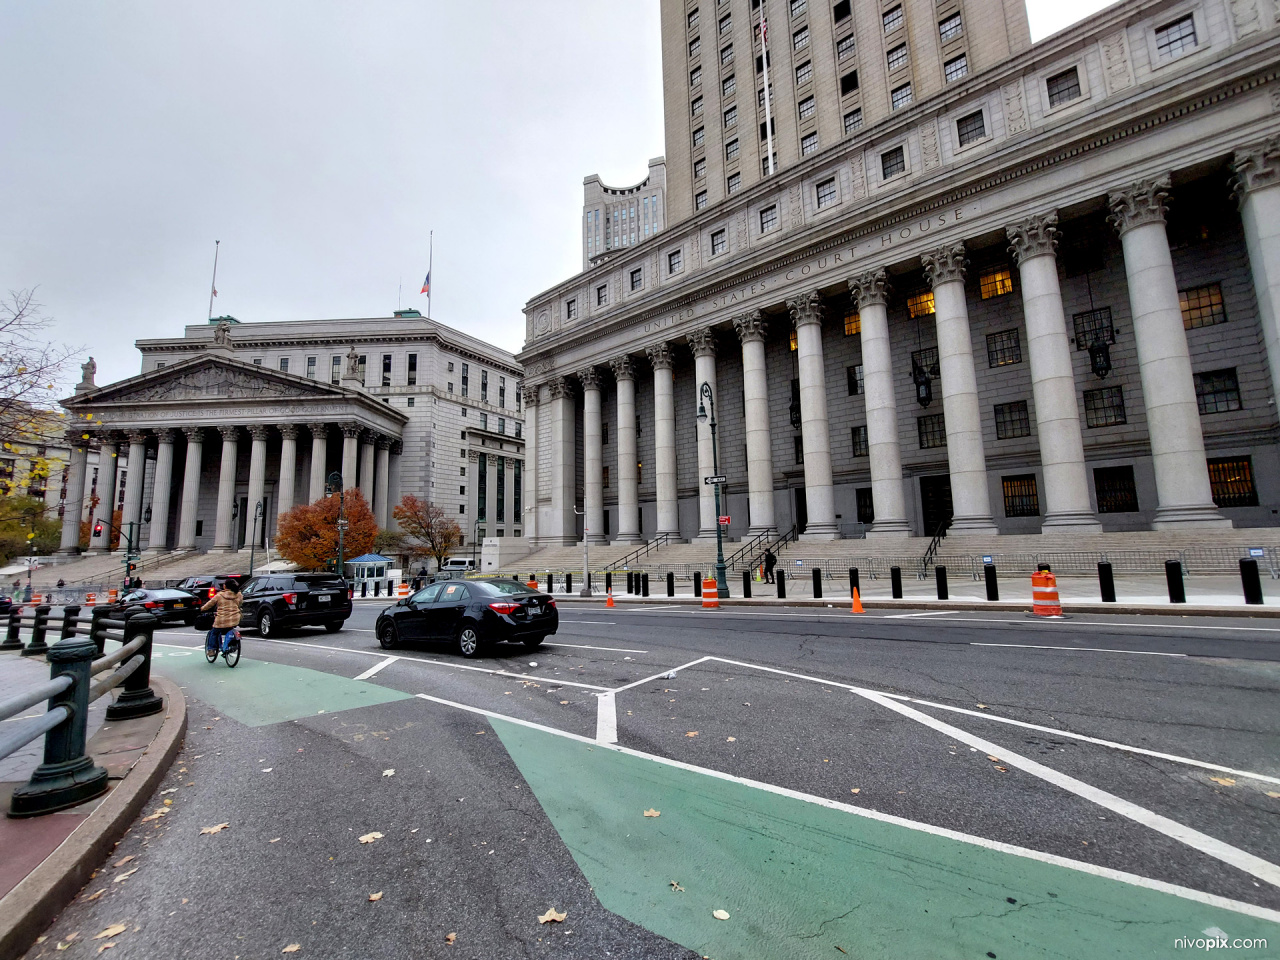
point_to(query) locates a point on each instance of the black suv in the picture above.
(278, 601)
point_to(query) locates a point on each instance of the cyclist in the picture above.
(226, 618)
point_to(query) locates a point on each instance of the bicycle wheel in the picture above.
(232, 656)
(210, 653)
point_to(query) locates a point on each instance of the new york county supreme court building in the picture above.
(1010, 287)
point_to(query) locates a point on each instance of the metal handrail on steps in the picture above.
(775, 545)
(643, 550)
(932, 552)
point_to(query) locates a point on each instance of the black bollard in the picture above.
(69, 615)
(608, 582)
(568, 583)
(817, 584)
(364, 589)
(630, 581)
(137, 699)
(39, 627)
(551, 582)
(97, 632)
(1251, 581)
(993, 587)
(697, 583)
(746, 584)
(1173, 576)
(671, 584)
(780, 577)
(1106, 582)
(644, 584)
(895, 582)
(377, 588)
(587, 576)
(13, 635)
(940, 576)
(854, 585)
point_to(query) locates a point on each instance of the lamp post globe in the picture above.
(707, 415)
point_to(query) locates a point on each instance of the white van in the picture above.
(457, 563)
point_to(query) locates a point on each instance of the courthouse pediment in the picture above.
(208, 378)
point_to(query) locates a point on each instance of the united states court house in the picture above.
(232, 414)
(1004, 287)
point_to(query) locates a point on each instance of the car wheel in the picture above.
(531, 642)
(469, 641)
(388, 637)
(334, 627)
(266, 624)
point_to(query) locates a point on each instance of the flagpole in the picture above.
(764, 59)
(431, 256)
(213, 285)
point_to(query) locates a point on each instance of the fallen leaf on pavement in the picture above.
(730, 739)
(276, 840)
(564, 701)
(692, 733)
(170, 790)
(1002, 769)
(374, 897)
(114, 930)
(840, 948)
(552, 916)
(105, 946)
(653, 813)
(720, 914)
(216, 828)
(855, 789)
(389, 773)
(1273, 795)
(370, 837)
(126, 875)
(676, 888)
(95, 896)
(292, 948)
(983, 706)
(450, 937)
(155, 816)
(993, 759)
(168, 802)
(122, 861)
(1225, 781)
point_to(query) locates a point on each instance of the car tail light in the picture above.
(351, 593)
(504, 607)
(212, 592)
(151, 604)
(291, 598)
(551, 604)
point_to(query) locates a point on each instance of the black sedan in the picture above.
(473, 614)
(167, 606)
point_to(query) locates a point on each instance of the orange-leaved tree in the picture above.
(308, 534)
(427, 528)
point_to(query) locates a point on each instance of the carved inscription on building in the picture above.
(1115, 61)
(1015, 111)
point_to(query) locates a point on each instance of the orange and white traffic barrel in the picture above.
(710, 594)
(90, 599)
(113, 595)
(402, 591)
(1044, 595)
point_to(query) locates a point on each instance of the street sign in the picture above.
(712, 480)
(986, 559)
(724, 521)
(1257, 552)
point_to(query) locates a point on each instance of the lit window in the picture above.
(1021, 499)
(901, 96)
(794, 346)
(731, 150)
(734, 182)
(897, 57)
(893, 162)
(971, 128)
(1177, 37)
(698, 136)
(674, 261)
(1202, 306)
(768, 218)
(893, 19)
(807, 107)
(719, 242)
(1115, 489)
(700, 200)
(571, 309)
(699, 168)
(955, 68)
(860, 449)
(845, 47)
(728, 86)
(852, 120)
(995, 282)
(932, 431)
(950, 28)
(1063, 87)
(852, 324)
(826, 193)
(1004, 348)
(602, 297)
(800, 39)
(731, 116)
(1217, 391)
(1232, 482)
(854, 377)
(1104, 407)
(1012, 420)
(808, 144)
(804, 72)
(637, 279)
(920, 304)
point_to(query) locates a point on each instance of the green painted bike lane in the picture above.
(800, 880)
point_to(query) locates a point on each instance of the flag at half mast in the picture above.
(426, 284)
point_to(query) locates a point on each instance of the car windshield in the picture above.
(428, 594)
(170, 595)
(320, 581)
(503, 588)
(135, 596)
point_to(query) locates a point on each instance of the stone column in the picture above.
(491, 496)
(703, 344)
(287, 486)
(970, 498)
(530, 519)
(381, 481)
(367, 452)
(131, 516)
(871, 291)
(107, 467)
(752, 329)
(1257, 171)
(664, 440)
(393, 483)
(628, 482)
(592, 456)
(73, 506)
(158, 534)
(819, 490)
(190, 489)
(319, 459)
(1184, 496)
(223, 528)
(563, 527)
(350, 448)
(1053, 385)
(257, 482)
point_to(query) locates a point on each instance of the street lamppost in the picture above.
(30, 516)
(253, 544)
(586, 552)
(707, 401)
(334, 485)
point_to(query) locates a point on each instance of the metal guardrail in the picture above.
(68, 775)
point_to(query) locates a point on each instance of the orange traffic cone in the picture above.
(857, 603)
(609, 601)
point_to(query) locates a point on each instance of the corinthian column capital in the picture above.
(229, 434)
(945, 264)
(589, 377)
(623, 368)
(1256, 167)
(193, 434)
(702, 342)
(530, 395)
(259, 431)
(350, 430)
(1139, 203)
(1033, 237)
(559, 388)
(870, 288)
(659, 356)
(751, 327)
(806, 309)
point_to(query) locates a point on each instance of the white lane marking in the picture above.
(1240, 859)
(603, 623)
(659, 676)
(1185, 893)
(908, 616)
(606, 718)
(585, 646)
(1041, 646)
(375, 668)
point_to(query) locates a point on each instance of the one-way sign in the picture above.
(711, 480)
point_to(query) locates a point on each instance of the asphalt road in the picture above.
(983, 748)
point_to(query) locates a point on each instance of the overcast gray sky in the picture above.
(320, 142)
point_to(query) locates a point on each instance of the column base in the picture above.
(217, 549)
(889, 528)
(1083, 522)
(99, 552)
(68, 552)
(821, 531)
(757, 531)
(673, 536)
(963, 526)
(626, 540)
(597, 540)
(1195, 516)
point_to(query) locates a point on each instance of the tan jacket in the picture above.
(228, 613)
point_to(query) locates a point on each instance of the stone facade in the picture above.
(614, 218)
(1043, 298)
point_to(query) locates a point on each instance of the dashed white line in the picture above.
(606, 718)
(909, 616)
(585, 646)
(1041, 646)
(372, 671)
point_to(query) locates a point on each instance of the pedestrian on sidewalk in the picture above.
(227, 616)
(770, 561)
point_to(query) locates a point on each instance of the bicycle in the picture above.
(232, 652)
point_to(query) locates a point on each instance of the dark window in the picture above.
(854, 376)
(866, 505)
(932, 430)
(1012, 420)
(1063, 87)
(604, 434)
(699, 136)
(734, 182)
(1232, 482)
(571, 309)
(1217, 391)
(386, 369)
(798, 445)
(1202, 306)
(1093, 325)
(726, 55)
(602, 297)
(1116, 491)
(807, 106)
(893, 162)
(637, 279)
(731, 150)
(808, 144)
(772, 128)
(928, 359)
(860, 448)
(897, 57)
(412, 378)
(466, 380)
(673, 261)
(730, 116)
(1021, 499)
(849, 83)
(699, 168)
(719, 242)
(971, 128)
(841, 11)
(1104, 407)
(900, 96)
(1003, 348)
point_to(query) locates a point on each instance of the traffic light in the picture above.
(132, 567)
(97, 529)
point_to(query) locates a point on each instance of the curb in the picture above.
(29, 908)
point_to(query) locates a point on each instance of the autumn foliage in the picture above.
(308, 534)
(428, 530)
